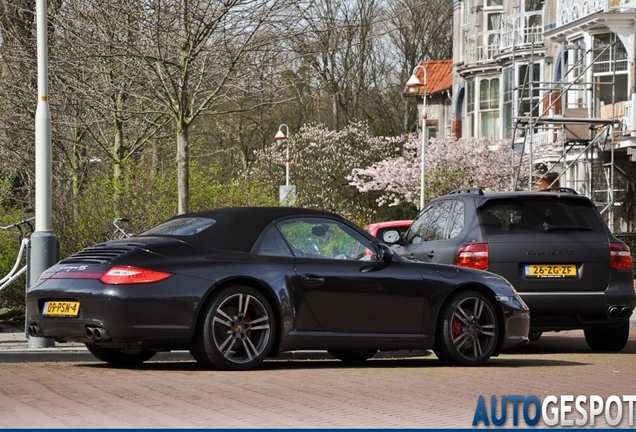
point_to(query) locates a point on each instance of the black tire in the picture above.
(236, 330)
(117, 356)
(352, 356)
(467, 331)
(606, 339)
(534, 335)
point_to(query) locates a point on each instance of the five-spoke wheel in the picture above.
(236, 331)
(468, 330)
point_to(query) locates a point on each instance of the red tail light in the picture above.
(620, 258)
(119, 275)
(474, 255)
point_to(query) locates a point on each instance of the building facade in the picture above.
(557, 79)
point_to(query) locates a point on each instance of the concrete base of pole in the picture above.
(41, 342)
(44, 251)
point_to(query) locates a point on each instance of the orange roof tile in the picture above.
(439, 77)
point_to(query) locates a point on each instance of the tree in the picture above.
(197, 55)
(450, 164)
(320, 160)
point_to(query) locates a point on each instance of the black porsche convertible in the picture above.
(237, 285)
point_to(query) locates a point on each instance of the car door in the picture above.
(427, 232)
(346, 288)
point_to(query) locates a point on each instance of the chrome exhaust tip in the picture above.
(34, 330)
(97, 334)
(618, 312)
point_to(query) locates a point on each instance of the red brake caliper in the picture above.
(249, 332)
(456, 327)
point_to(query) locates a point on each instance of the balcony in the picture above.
(478, 52)
(571, 10)
(521, 31)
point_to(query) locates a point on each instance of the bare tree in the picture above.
(335, 38)
(195, 53)
(419, 30)
(97, 80)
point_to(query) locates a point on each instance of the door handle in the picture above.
(312, 280)
(431, 254)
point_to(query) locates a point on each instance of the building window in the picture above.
(528, 82)
(489, 107)
(467, 12)
(508, 92)
(609, 54)
(467, 124)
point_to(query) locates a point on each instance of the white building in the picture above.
(556, 77)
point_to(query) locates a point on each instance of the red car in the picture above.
(379, 229)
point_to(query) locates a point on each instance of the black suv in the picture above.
(554, 248)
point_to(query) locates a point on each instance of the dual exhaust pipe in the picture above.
(97, 334)
(34, 330)
(94, 333)
(618, 312)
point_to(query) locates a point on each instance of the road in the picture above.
(382, 393)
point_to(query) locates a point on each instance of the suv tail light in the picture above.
(473, 255)
(620, 258)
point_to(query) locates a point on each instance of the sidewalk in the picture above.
(14, 347)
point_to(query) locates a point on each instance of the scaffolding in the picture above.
(576, 139)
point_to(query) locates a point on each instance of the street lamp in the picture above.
(283, 136)
(287, 193)
(413, 85)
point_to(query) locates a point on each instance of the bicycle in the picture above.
(118, 232)
(26, 229)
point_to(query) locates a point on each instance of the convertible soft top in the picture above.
(238, 228)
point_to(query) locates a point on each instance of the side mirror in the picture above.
(390, 236)
(385, 253)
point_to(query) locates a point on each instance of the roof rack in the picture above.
(472, 190)
(560, 190)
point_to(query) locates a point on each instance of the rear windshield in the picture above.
(181, 227)
(540, 216)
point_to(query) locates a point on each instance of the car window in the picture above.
(540, 215)
(457, 220)
(415, 233)
(274, 244)
(437, 223)
(325, 238)
(181, 226)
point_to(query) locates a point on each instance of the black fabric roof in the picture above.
(238, 228)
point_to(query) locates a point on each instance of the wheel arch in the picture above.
(262, 288)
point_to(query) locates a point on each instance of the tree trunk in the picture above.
(183, 173)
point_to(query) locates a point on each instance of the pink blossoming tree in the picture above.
(450, 164)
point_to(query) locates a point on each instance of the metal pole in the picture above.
(44, 251)
(423, 163)
(287, 163)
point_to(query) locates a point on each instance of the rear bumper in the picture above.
(579, 310)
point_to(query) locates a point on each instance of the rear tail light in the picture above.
(620, 258)
(474, 255)
(119, 275)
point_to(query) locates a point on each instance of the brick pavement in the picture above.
(383, 393)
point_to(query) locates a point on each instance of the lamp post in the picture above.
(286, 193)
(283, 136)
(413, 85)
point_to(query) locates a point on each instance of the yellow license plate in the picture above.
(551, 270)
(61, 308)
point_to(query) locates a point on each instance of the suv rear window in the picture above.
(538, 215)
